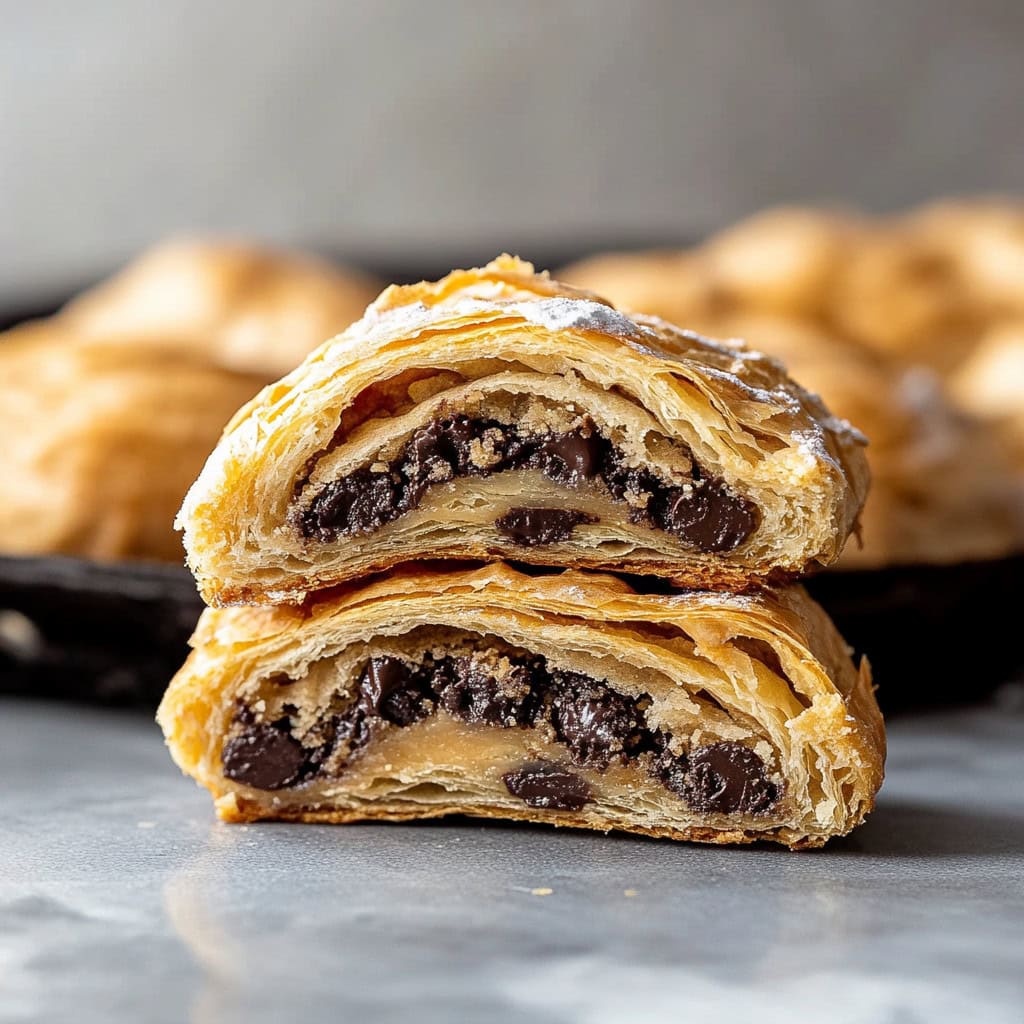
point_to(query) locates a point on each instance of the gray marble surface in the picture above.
(121, 898)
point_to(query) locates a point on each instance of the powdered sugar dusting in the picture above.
(844, 427)
(556, 314)
(703, 599)
(564, 313)
(561, 313)
(811, 444)
(776, 396)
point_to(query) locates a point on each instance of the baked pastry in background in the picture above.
(569, 699)
(985, 238)
(783, 261)
(101, 440)
(990, 384)
(247, 307)
(922, 287)
(497, 413)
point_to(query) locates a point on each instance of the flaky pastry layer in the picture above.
(402, 439)
(568, 698)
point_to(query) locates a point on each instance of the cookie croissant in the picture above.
(497, 414)
(571, 699)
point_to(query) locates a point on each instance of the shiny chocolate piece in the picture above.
(548, 786)
(709, 517)
(264, 757)
(363, 501)
(392, 691)
(593, 721)
(572, 457)
(728, 778)
(530, 527)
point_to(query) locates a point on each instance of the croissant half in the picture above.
(571, 699)
(499, 414)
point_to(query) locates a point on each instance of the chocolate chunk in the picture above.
(439, 451)
(469, 691)
(572, 457)
(728, 778)
(597, 725)
(426, 460)
(593, 721)
(328, 511)
(390, 690)
(531, 527)
(708, 516)
(545, 785)
(263, 756)
(375, 503)
(359, 503)
(640, 486)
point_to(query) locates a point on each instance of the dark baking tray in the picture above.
(115, 634)
(936, 635)
(79, 630)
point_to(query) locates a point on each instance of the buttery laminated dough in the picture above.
(498, 414)
(567, 698)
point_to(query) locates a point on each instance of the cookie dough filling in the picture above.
(585, 721)
(702, 512)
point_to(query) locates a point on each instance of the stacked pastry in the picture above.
(372, 652)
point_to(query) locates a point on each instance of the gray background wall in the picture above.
(426, 127)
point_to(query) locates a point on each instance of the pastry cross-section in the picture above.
(499, 415)
(569, 698)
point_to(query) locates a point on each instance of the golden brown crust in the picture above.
(503, 330)
(729, 581)
(237, 811)
(826, 722)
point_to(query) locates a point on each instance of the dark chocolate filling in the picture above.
(264, 756)
(597, 726)
(548, 786)
(532, 526)
(704, 513)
